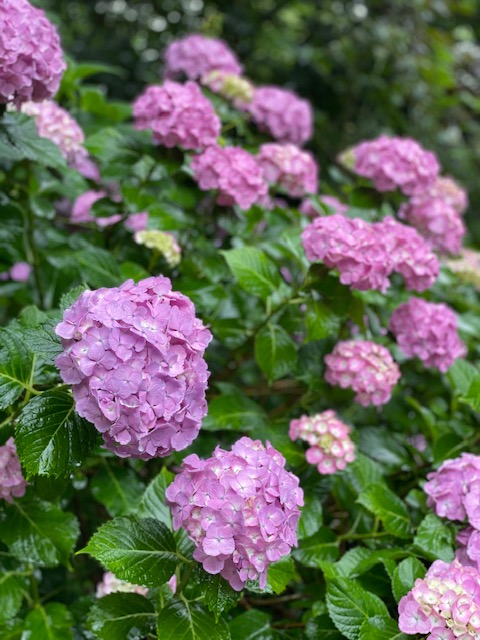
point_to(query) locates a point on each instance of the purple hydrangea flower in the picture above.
(111, 584)
(468, 552)
(308, 208)
(195, 55)
(448, 190)
(12, 482)
(288, 167)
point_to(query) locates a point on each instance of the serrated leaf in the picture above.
(254, 271)
(118, 489)
(13, 585)
(72, 296)
(381, 628)
(311, 519)
(51, 437)
(434, 539)
(363, 472)
(461, 375)
(218, 594)
(50, 622)
(280, 573)
(98, 268)
(19, 140)
(234, 412)
(42, 340)
(384, 504)
(320, 321)
(16, 364)
(39, 532)
(251, 625)
(275, 352)
(152, 503)
(322, 628)
(405, 575)
(189, 621)
(142, 551)
(122, 615)
(318, 548)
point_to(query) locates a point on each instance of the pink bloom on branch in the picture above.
(448, 190)
(12, 482)
(195, 55)
(292, 170)
(111, 584)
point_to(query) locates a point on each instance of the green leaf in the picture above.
(363, 472)
(50, 622)
(349, 605)
(98, 268)
(280, 573)
(12, 629)
(318, 548)
(42, 341)
(51, 437)
(118, 489)
(234, 412)
(434, 539)
(381, 628)
(39, 532)
(275, 352)
(19, 140)
(251, 625)
(122, 615)
(254, 271)
(311, 519)
(320, 321)
(384, 504)
(461, 375)
(472, 396)
(189, 621)
(142, 551)
(153, 503)
(68, 298)
(218, 594)
(16, 364)
(13, 585)
(322, 628)
(405, 575)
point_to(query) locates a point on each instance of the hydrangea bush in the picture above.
(238, 397)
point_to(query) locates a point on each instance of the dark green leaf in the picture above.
(318, 548)
(311, 519)
(381, 628)
(280, 573)
(13, 584)
(152, 503)
(98, 268)
(405, 575)
(218, 594)
(122, 615)
(16, 367)
(50, 622)
(251, 625)
(461, 375)
(275, 352)
(118, 489)
(254, 271)
(19, 140)
(384, 504)
(434, 539)
(189, 621)
(234, 412)
(320, 321)
(322, 628)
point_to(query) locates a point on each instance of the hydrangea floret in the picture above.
(308, 208)
(240, 508)
(468, 552)
(12, 482)
(448, 190)
(365, 367)
(82, 209)
(134, 357)
(231, 86)
(162, 241)
(331, 447)
(195, 55)
(427, 330)
(291, 169)
(19, 272)
(111, 584)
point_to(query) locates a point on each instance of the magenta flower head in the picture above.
(331, 448)
(134, 355)
(285, 165)
(196, 55)
(396, 163)
(365, 367)
(282, 114)
(179, 115)
(239, 507)
(234, 173)
(12, 482)
(445, 604)
(111, 584)
(31, 60)
(427, 330)
(454, 489)
(308, 208)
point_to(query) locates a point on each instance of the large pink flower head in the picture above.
(234, 173)
(331, 448)
(31, 60)
(111, 584)
(454, 489)
(308, 208)
(365, 367)
(396, 163)
(179, 115)
(12, 482)
(445, 604)
(57, 125)
(195, 55)
(285, 165)
(427, 330)
(134, 355)
(282, 114)
(240, 508)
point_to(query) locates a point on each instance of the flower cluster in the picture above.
(468, 552)
(427, 330)
(178, 115)
(445, 604)
(308, 208)
(111, 584)
(232, 171)
(82, 209)
(240, 508)
(288, 167)
(12, 482)
(231, 86)
(331, 448)
(467, 267)
(365, 367)
(19, 272)
(450, 192)
(134, 355)
(396, 163)
(282, 114)
(162, 241)
(31, 61)
(196, 55)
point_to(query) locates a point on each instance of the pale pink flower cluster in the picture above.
(19, 272)
(291, 169)
(31, 60)
(396, 163)
(195, 55)
(134, 355)
(231, 86)
(308, 208)
(331, 447)
(450, 192)
(366, 254)
(468, 553)
(444, 604)
(240, 508)
(427, 330)
(179, 115)
(12, 482)
(467, 266)
(111, 584)
(234, 173)
(282, 114)
(365, 367)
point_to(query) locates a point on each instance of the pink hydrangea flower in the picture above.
(288, 167)
(454, 489)
(179, 115)
(396, 163)
(239, 507)
(31, 60)
(427, 330)
(111, 584)
(195, 55)
(365, 367)
(448, 190)
(468, 552)
(134, 355)
(137, 221)
(234, 173)
(82, 209)
(12, 482)
(282, 114)
(445, 604)
(19, 272)
(331, 448)
(467, 266)
(308, 208)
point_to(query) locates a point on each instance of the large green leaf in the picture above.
(19, 140)
(381, 628)
(251, 625)
(218, 594)
(234, 412)
(461, 375)
(254, 271)
(280, 573)
(189, 621)
(98, 268)
(117, 488)
(405, 575)
(275, 352)
(153, 503)
(388, 507)
(320, 321)
(434, 539)
(13, 585)
(122, 615)
(318, 548)
(16, 367)
(52, 621)
(51, 437)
